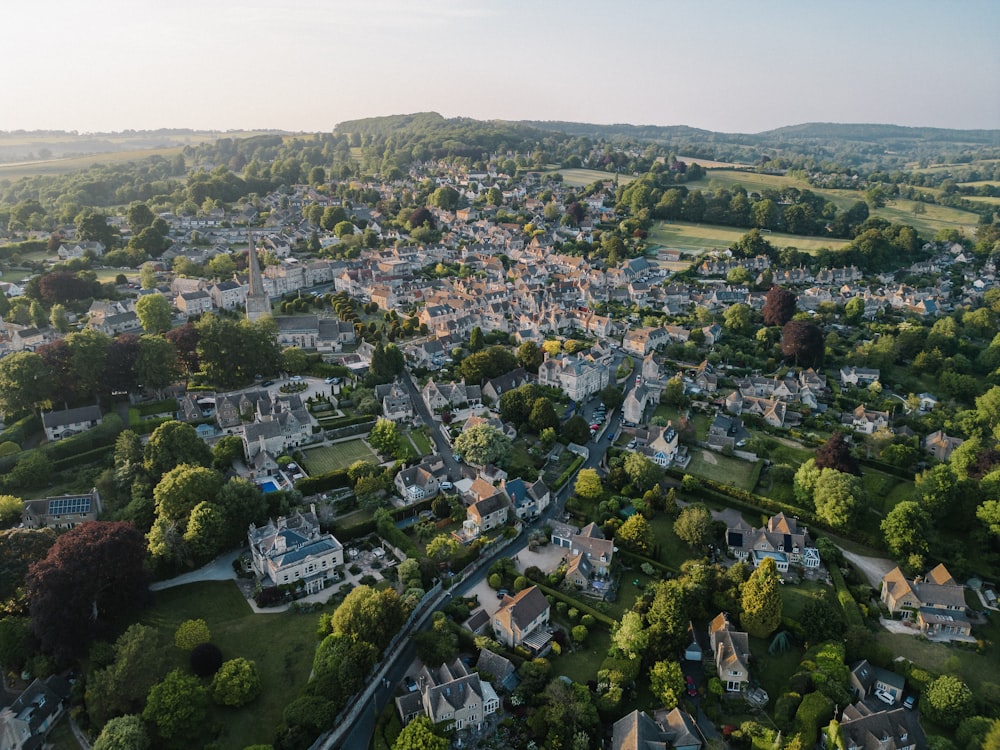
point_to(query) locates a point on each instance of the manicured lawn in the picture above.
(421, 442)
(700, 421)
(884, 490)
(700, 238)
(584, 177)
(794, 597)
(938, 658)
(781, 453)
(582, 665)
(672, 551)
(710, 465)
(337, 456)
(282, 645)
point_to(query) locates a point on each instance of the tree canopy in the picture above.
(761, 601)
(91, 576)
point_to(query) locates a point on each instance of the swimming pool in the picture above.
(268, 486)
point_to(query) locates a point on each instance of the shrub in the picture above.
(191, 633)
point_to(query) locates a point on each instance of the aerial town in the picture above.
(369, 439)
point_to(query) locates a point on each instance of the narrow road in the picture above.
(433, 427)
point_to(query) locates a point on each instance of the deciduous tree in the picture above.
(946, 701)
(122, 686)
(384, 436)
(419, 735)
(19, 548)
(667, 683)
(802, 342)
(182, 488)
(174, 443)
(635, 534)
(92, 575)
(588, 484)
(835, 453)
(123, 733)
(236, 683)
(642, 472)
(191, 633)
(482, 444)
(369, 615)
(177, 708)
(630, 637)
(694, 526)
(779, 306)
(153, 311)
(906, 528)
(837, 497)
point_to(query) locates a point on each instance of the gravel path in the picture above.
(873, 568)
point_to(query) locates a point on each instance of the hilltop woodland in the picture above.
(78, 599)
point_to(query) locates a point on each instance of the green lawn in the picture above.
(795, 596)
(884, 490)
(584, 177)
(61, 738)
(700, 238)
(583, 663)
(672, 551)
(938, 658)
(282, 645)
(337, 456)
(700, 421)
(421, 442)
(710, 465)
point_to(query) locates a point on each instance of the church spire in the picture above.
(258, 303)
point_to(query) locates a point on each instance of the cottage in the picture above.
(62, 511)
(67, 422)
(940, 445)
(450, 695)
(417, 483)
(781, 540)
(866, 678)
(25, 723)
(863, 728)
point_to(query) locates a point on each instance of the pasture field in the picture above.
(700, 238)
(933, 219)
(328, 458)
(994, 199)
(584, 177)
(77, 163)
(710, 164)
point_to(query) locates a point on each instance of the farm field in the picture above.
(75, 164)
(935, 218)
(282, 644)
(711, 164)
(995, 200)
(584, 177)
(328, 458)
(697, 239)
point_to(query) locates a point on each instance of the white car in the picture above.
(446, 486)
(295, 378)
(885, 696)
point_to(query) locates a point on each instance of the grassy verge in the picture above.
(282, 645)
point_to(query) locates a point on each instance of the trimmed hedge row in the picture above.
(332, 423)
(97, 455)
(847, 603)
(156, 407)
(332, 480)
(566, 475)
(584, 608)
(21, 430)
(640, 559)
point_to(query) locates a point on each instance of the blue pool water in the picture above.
(268, 486)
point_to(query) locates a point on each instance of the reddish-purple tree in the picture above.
(836, 454)
(779, 306)
(802, 342)
(91, 577)
(185, 341)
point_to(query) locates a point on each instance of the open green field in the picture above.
(700, 238)
(752, 182)
(710, 465)
(884, 490)
(584, 177)
(421, 441)
(77, 163)
(934, 218)
(992, 199)
(328, 458)
(282, 645)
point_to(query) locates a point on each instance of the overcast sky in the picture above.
(740, 66)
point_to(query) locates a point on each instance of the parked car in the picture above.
(446, 486)
(885, 696)
(295, 378)
(266, 383)
(332, 381)
(501, 593)
(631, 445)
(909, 703)
(692, 689)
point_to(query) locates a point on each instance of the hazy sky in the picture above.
(744, 66)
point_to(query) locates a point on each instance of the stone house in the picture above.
(293, 548)
(67, 422)
(450, 696)
(782, 540)
(731, 653)
(935, 602)
(522, 616)
(62, 511)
